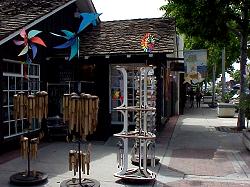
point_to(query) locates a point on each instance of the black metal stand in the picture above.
(28, 178)
(74, 182)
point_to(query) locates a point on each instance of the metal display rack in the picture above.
(142, 136)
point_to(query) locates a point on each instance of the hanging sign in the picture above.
(195, 65)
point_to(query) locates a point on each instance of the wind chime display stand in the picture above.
(30, 107)
(141, 174)
(150, 100)
(80, 112)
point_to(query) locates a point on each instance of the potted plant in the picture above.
(225, 108)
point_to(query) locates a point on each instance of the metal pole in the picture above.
(223, 72)
(213, 98)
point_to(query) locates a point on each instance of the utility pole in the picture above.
(213, 97)
(223, 72)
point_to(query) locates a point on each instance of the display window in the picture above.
(17, 77)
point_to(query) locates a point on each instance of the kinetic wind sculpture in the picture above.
(73, 38)
(30, 42)
(148, 42)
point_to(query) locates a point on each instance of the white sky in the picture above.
(128, 9)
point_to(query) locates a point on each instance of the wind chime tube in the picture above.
(83, 162)
(90, 114)
(21, 104)
(83, 115)
(86, 114)
(24, 147)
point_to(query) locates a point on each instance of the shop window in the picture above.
(5, 83)
(16, 78)
(116, 81)
(6, 129)
(5, 98)
(12, 128)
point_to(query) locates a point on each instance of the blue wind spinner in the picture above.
(73, 38)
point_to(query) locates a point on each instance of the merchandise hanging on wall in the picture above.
(142, 136)
(72, 38)
(80, 112)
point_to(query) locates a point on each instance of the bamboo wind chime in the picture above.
(25, 149)
(30, 107)
(81, 161)
(81, 113)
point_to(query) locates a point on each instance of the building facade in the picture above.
(101, 49)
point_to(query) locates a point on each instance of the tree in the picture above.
(215, 20)
(235, 75)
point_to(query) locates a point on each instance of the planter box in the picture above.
(246, 138)
(207, 99)
(226, 110)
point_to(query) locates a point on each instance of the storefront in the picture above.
(46, 16)
(115, 43)
(101, 49)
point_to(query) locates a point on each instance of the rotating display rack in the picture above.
(142, 136)
(33, 107)
(80, 112)
(146, 98)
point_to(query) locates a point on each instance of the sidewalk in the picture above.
(206, 156)
(195, 154)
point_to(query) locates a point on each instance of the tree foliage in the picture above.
(215, 21)
(235, 75)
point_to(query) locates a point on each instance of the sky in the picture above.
(128, 9)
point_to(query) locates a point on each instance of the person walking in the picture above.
(198, 97)
(191, 98)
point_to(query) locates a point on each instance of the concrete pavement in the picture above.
(191, 151)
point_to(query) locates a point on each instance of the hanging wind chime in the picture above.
(33, 106)
(79, 111)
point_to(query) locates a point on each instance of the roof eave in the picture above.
(11, 36)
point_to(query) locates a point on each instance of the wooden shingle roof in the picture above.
(124, 37)
(16, 14)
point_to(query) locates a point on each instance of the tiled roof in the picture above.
(15, 14)
(124, 37)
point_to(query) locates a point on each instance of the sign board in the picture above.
(195, 65)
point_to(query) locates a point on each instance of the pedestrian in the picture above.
(191, 98)
(198, 97)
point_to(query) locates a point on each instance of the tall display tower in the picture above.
(141, 135)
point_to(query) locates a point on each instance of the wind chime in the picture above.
(149, 82)
(32, 107)
(80, 112)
